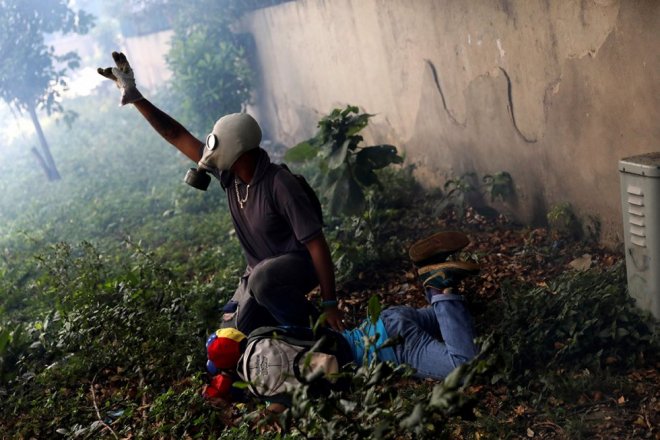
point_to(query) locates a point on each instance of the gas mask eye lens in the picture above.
(211, 141)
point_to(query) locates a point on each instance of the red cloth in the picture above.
(224, 353)
(220, 387)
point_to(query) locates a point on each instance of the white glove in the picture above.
(123, 77)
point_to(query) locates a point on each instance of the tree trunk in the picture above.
(42, 163)
(44, 158)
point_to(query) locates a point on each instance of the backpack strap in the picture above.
(326, 339)
(307, 189)
(301, 336)
(243, 362)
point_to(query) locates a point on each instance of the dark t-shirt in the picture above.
(277, 217)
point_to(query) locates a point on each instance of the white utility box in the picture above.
(640, 198)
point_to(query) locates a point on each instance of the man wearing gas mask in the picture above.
(276, 223)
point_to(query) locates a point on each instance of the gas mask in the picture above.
(232, 136)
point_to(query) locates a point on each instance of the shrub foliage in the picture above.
(111, 280)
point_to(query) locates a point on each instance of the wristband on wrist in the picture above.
(328, 303)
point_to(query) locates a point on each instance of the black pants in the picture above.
(273, 293)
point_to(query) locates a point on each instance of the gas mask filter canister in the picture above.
(197, 178)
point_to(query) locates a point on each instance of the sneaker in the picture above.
(443, 275)
(437, 247)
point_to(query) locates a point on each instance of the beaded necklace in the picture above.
(241, 202)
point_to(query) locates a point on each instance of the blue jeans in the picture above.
(421, 329)
(273, 293)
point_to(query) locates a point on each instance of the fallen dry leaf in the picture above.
(581, 263)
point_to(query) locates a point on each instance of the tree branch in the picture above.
(98, 414)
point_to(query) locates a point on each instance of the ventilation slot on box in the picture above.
(636, 215)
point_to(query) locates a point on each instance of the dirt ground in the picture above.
(627, 407)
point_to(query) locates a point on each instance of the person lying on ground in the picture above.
(277, 224)
(434, 340)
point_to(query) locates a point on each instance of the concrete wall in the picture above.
(554, 92)
(147, 56)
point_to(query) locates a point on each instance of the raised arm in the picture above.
(170, 129)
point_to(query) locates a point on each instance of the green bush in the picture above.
(461, 193)
(365, 200)
(564, 223)
(132, 316)
(130, 304)
(346, 169)
(211, 75)
(579, 321)
(112, 329)
(376, 406)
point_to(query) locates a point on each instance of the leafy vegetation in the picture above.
(32, 75)
(372, 407)
(544, 346)
(353, 180)
(499, 186)
(346, 168)
(109, 285)
(131, 302)
(373, 236)
(565, 342)
(211, 75)
(584, 321)
(563, 222)
(463, 192)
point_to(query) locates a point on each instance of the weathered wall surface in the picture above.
(554, 92)
(147, 55)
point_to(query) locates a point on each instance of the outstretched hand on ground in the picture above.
(123, 77)
(335, 319)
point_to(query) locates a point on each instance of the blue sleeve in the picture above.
(356, 343)
(356, 337)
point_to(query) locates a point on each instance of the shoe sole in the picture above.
(462, 268)
(457, 271)
(446, 242)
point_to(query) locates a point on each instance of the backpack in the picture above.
(277, 360)
(309, 191)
